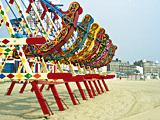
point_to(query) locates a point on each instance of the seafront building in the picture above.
(150, 67)
(142, 67)
(119, 66)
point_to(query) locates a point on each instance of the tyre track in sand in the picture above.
(144, 102)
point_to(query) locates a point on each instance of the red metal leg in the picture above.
(98, 91)
(57, 98)
(48, 87)
(100, 86)
(42, 87)
(88, 90)
(11, 88)
(71, 94)
(81, 91)
(32, 89)
(40, 98)
(54, 68)
(105, 85)
(37, 67)
(23, 87)
(92, 88)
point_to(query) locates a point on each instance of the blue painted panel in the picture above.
(9, 68)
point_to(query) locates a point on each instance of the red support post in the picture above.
(57, 98)
(105, 85)
(54, 68)
(23, 87)
(11, 88)
(98, 91)
(100, 86)
(40, 98)
(48, 88)
(92, 88)
(88, 90)
(71, 94)
(81, 91)
(37, 68)
(42, 87)
(32, 89)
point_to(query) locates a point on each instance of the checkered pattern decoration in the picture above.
(5, 51)
(7, 11)
(23, 76)
(13, 41)
(6, 20)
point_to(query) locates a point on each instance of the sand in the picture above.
(126, 100)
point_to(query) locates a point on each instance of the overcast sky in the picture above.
(133, 25)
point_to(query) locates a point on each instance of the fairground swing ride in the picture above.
(43, 36)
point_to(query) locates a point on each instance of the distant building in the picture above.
(119, 66)
(140, 67)
(149, 67)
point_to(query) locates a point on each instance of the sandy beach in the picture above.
(125, 100)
